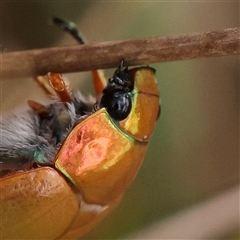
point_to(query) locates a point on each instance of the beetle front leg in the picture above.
(60, 85)
(99, 79)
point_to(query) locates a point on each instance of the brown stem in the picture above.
(108, 54)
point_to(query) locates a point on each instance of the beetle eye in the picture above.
(117, 103)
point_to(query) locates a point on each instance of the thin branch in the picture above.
(108, 54)
(210, 219)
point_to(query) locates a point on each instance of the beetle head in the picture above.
(132, 100)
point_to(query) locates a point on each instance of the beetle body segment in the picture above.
(37, 204)
(101, 160)
(87, 217)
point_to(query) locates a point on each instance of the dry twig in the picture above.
(108, 54)
(209, 219)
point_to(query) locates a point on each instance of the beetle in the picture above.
(67, 165)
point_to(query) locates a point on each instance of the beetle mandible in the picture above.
(65, 166)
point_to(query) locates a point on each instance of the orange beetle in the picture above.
(96, 159)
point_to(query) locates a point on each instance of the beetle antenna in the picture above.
(123, 65)
(71, 28)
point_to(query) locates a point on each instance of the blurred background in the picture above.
(190, 175)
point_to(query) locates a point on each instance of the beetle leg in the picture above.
(55, 86)
(69, 27)
(44, 84)
(60, 86)
(99, 80)
(38, 108)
